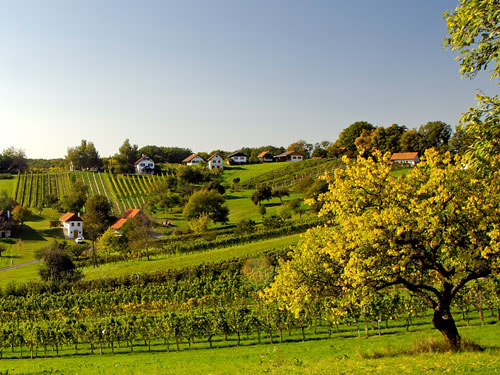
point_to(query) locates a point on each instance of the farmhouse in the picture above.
(236, 158)
(145, 165)
(193, 159)
(129, 214)
(265, 157)
(72, 225)
(290, 156)
(5, 224)
(408, 158)
(215, 162)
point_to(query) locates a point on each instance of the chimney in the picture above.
(78, 214)
(8, 214)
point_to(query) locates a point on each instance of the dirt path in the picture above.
(20, 265)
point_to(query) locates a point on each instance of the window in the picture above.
(78, 224)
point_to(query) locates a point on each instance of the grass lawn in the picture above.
(248, 171)
(8, 186)
(30, 272)
(34, 235)
(241, 206)
(344, 353)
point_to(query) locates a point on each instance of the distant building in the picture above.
(193, 159)
(265, 157)
(72, 225)
(215, 162)
(236, 158)
(290, 156)
(145, 165)
(408, 158)
(5, 224)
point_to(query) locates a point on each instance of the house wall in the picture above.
(195, 161)
(216, 163)
(239, 159)
(145, 163)
(70, 227)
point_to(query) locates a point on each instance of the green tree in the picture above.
(261, 194)
(431, 232)
(84, 156)
(75, 200)
(280, 193)
(6, 202)
(58, 266)
(434, 134)
(126, 157)
(206, 202)
(410, 141)
(97, 219)
(474, 33)
(21, 214)
(347, 137)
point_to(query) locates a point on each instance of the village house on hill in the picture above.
(290, 156)
(72, 225)
(215, 162)
(265, 157)
(236, 158)
(145, 165)
(407, 158)
(5, 224)
(193, 159)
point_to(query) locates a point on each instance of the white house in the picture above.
(145, 165)
(215, 162)
(5, 223)
(72, 225)
(290, 156)
(237, 158)
(408, 158)
(193, 159)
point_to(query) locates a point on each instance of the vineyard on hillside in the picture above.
(293, 173)
(124, 191)
(32, 188)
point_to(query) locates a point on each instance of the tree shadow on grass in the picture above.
(29, 234)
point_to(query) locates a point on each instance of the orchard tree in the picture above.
(206, 202)
(21, 214)
(474, 33)
(431, 232)
(261, 194)
(58, 266)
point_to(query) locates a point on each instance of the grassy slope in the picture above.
(343, 354)
(35, 234)
(245, 172)
(138, 266)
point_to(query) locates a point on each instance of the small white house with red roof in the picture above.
(215, 162)
(72, 225)
(408, 158)
(145, 165)
(193, 159)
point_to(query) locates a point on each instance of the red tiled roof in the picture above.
(262, 154)
(213, 156)
(131, 213)
(70, 216)
(141, 159)
(288, 153)
(190, 157)
(119, 223)
(404, 155)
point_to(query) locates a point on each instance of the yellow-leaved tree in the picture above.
(431, 231)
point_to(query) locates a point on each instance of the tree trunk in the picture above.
(443, 321)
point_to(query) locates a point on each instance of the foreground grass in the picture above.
(391, 353)
(30, 272)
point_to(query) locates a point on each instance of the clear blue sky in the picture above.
(210, 74)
